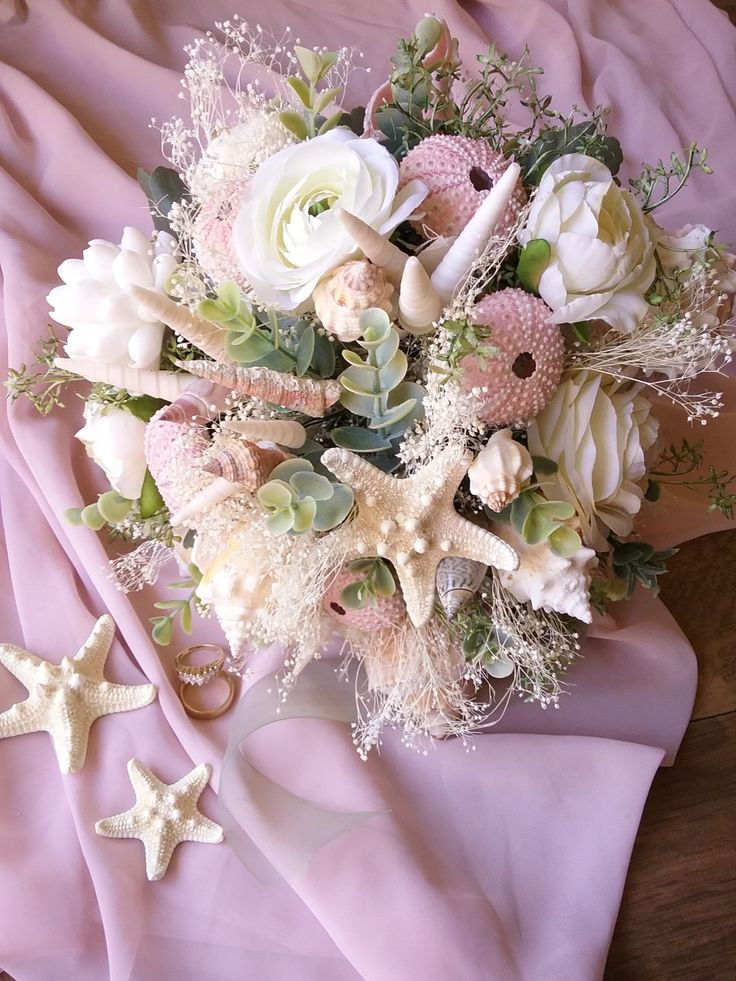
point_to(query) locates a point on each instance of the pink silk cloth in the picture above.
(503, 863)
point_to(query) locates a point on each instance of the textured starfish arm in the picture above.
(417, 582)
(107, 698)
(144, 782)
(205, 830)
(159, 850)
(122, 825)
(21, 663)
(97, 646)
(69, 729)
(194, 782)
(476, 543)
(19, 719)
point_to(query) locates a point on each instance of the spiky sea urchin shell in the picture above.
(516, 382)
(387, 612)
(458, 172)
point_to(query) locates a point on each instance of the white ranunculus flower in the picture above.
(602, 259)
(287, 235)
(598, 432)
(106, 323)
(114, 440)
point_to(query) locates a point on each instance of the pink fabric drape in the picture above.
(506, 862)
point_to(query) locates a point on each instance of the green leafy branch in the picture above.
(262, 338)
(660, 182)
(587, 136)
(374, 387)
(311, 122)
(677, 463)
(299, 500)
(538, 520)
(376, 583)
(41, 382)
(464, 339)
(163, 626)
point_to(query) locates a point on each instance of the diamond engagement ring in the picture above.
(199, 674)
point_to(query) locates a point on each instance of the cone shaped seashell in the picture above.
(191, 408)
(307, 395)
(458, 580)
(346, 293)
(208, 337)
(167, 385)
(433, 253)
(219, 490)
(453, 269)
(243, 463)
(285, 432)
(374, 246)
(498, 472)
(420, 305)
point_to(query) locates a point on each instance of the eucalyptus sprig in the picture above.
(310, 123)
(660, 182)
(41, 382)
(163, 626)
(683, 465)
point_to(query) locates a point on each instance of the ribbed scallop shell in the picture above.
(498, 472)
(243, 463)
(347, 292)
(458, 580)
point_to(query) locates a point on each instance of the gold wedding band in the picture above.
(199, 674)
(212, 713)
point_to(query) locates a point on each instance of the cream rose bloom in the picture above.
(602, 259)
(287, 235)
(113, 438)
(598, 432)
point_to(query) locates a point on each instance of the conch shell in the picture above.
(473, 239)
(208, 337)
(420, 305)
(242, 462)
(546, 580)
(167, 385)
(285, 432)
(308, 395)
(374, 246)
(347, 292)
(458, 580)
(498, 472)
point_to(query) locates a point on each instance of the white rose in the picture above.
(106, 323)
(602, 259)
(598, 432)
(113, 438)
(287, 235)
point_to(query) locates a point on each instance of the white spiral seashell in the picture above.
(213, 494)
(374, 246)
(435, 251)
(167, 385)
(499, 471)
(455, 266)
(420, 305)
(284, 432)
(347, 292)
(208, 337)
(458, 580)
(546, 580)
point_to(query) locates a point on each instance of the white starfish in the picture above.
(65, 699)
(413, 522)
(163, 816)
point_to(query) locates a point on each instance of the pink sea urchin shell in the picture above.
(212, 232)
(458, 172)
(388, 612)
(517, 382)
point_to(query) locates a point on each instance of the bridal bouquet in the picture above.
(391, 372)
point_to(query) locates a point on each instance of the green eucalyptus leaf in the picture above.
(163, 630)
(276, 361)
(393, 415)
(331, 513)
(556, 510)
(305, 350)
(359, 440)
(280, 522)
(248, 349)
(564, 542)
(360, 380)
(304, 514)
(229, 296)
(383, 582)
(113, 507)
(275, 494)
(186, 618)
(352, 357)
(327, 60)
(286, 470)
(309, 61)
(325, 98)
(212, 311)
(543, 466)
(302, 90)
(143, 406)
(151, 501)
(294, 123)
(195, 573)
(352, 596)
(537, 527)
(91, 517)
(73, 516)
(392, 372)
(520, 509)
(323, 359)
(359, 405)
(533, 260)
(170, 604)
(312, 485)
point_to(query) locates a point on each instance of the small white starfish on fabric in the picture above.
(413, 523)
(163, 816)
(65, 699)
